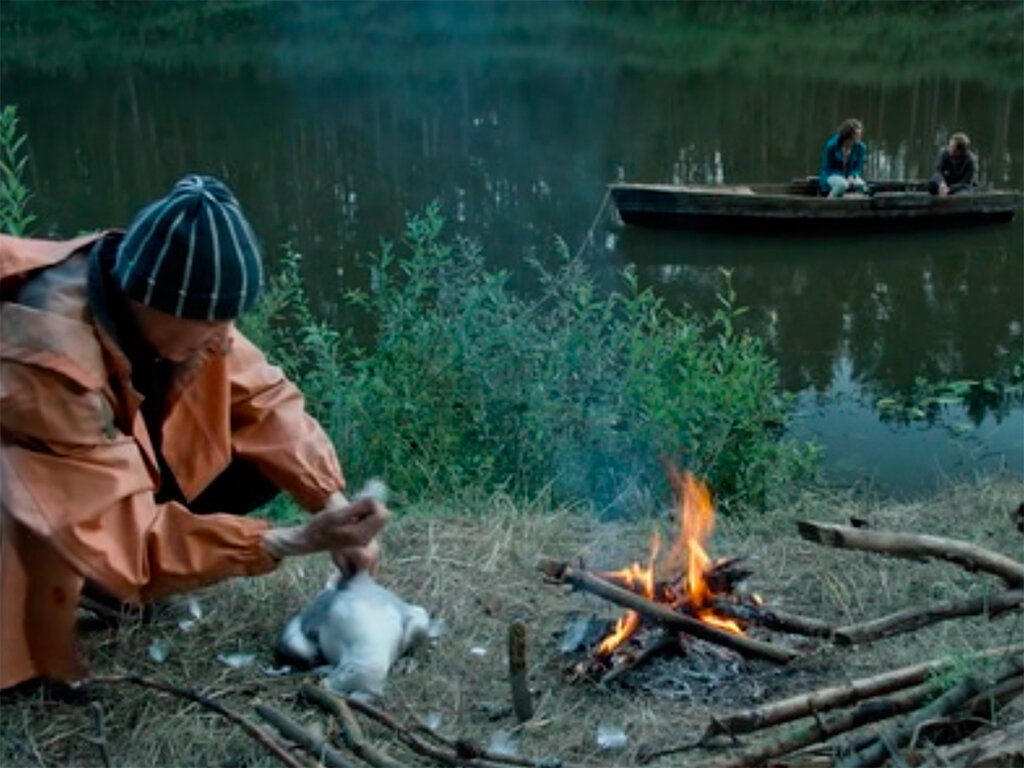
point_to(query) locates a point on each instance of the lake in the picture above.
(332, 121)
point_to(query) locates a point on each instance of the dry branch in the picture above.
(968, 556)
(881, 747)
(824, 699)
(825, 727)
(582, 579)
(292, 731)
(254, 731)
(914, 618)
(350, 729)
(459, 756)
(998, 748)
(773, 618)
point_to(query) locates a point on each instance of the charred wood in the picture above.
(911, 545)
(662, 642)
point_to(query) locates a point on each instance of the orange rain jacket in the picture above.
(79, 472)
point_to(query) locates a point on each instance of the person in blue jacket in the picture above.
(842, 159)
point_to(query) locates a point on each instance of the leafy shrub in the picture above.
(470, 385)
(14, 195)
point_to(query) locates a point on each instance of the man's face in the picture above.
(179, 339)
(954, 149)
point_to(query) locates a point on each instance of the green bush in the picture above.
(470, 385)
(14, 195)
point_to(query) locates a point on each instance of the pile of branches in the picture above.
(863, 722)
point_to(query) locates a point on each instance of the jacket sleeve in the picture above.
(271, 428)
(83, 485)
(966, 179)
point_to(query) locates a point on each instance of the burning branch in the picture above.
(910, 545)
(581, 579)
(914, 618)
(773, 618)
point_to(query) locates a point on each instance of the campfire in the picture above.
(683, 595)
(685, 579)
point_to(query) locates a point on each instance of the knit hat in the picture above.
(191, 254)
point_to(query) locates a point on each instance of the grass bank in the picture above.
(472, 563)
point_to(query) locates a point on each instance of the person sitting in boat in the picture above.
(955, 167)
(842, 159)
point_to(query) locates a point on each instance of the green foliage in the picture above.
(468, 385)
(14, 195)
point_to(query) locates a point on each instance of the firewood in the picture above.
(824, 699)
(914, 618)
(666, 617)
(292, 731)
(950, 701)
(773, 618)
(827, 726)
(997, 748)
(911, 545)
(351, 732)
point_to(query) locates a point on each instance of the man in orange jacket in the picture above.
(137, 424)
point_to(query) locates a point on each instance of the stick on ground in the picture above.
(254, 731)
(353, 734)
(825, 727)
(913, 545)
(292, 731)
(666, 617)
(914, 618)
(824, 699)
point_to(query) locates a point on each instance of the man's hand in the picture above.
(353, 560)
(338, 526)
(943, 188)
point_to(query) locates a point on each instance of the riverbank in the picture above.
(471, 563)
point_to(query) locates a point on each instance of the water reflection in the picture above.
(516, 116)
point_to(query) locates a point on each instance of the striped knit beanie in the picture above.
(191, 254)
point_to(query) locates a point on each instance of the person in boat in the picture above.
(842, 160)
(138, 426)
(955, 167)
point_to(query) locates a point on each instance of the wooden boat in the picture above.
(798, 206)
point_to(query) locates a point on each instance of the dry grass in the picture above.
(474, 568)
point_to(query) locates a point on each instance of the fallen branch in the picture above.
(914, 618)
(463, 754)
(350, 729)
(773, 618)
(992, 749)
(825, 727)
(582, 579)
(292, 731)
(824, 699)
(254, 731)
(911, 545)
(885, 743)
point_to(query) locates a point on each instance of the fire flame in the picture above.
(684, 568)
